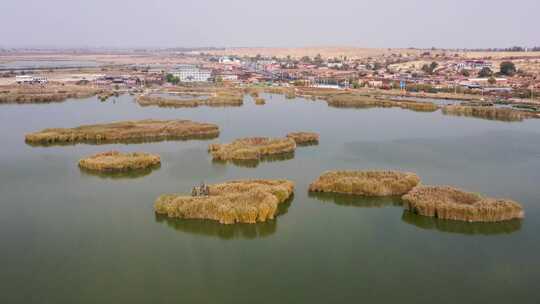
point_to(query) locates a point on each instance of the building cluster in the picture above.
(406, 71)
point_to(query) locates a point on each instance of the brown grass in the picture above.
(252, 148)
(248, 201)
(125, 131)
(217, 99)
(491, 113)
(114, 161)
(260, 101)
(44, 94)
(453, 204)
(278, 90)
(304, 138)
(361, 101)
(366, 183)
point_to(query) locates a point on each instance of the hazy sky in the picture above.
(168, 23)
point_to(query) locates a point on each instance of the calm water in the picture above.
(46, 64)
(72, 237)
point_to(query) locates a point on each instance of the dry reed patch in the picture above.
(114, 161)
(304, 138)
(454, 204)
(216, 99)
(366, 183)
(243, 201)
(125, 131)
(491, 113)
(361, 101)
(44, 94)
(260, 101)
(418, 106)
(357, 101)
(252, 148)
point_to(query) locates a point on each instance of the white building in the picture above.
(28, 79)
(474, 65)
(227, 77)
(189, 73)
(228, 60)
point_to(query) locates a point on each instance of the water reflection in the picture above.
(121, 141)
(226, 232)
(254, 163)
(307, 144)
(131, 174)
(356, 200)
(431, 223)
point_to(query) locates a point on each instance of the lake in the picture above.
(47, 64)
(73, 237)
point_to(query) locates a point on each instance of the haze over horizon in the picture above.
(279, 23)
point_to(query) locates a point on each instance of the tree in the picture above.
(485, 72)
(305, 59)
(172, 79)
(465, 73)
(492, 80)
(428, 69)
(508, 68)
(318, 59)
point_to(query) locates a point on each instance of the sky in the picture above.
(274, 23)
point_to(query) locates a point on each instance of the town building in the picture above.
(191, 73)
(29, 79)
(474, 65)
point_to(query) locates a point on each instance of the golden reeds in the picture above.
(357, 101)
(260, 101)
(125, 131)
(45, 94)
(252, 148)
(361, 101)
(453, 204)
(491, 113)
(114, 161)
(366, 183)
(304, 138)
(417, 106)
(221, 98)
(243, 201)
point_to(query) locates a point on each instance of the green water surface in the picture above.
(68, 236)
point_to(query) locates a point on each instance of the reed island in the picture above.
(125, 131)
(25, 94)
(366, 183)
(304, 138)
(242, 201)
(114, 161)
(450, 203)
(252, 148)
(485, 112)
(361, 101)
(191, 99)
